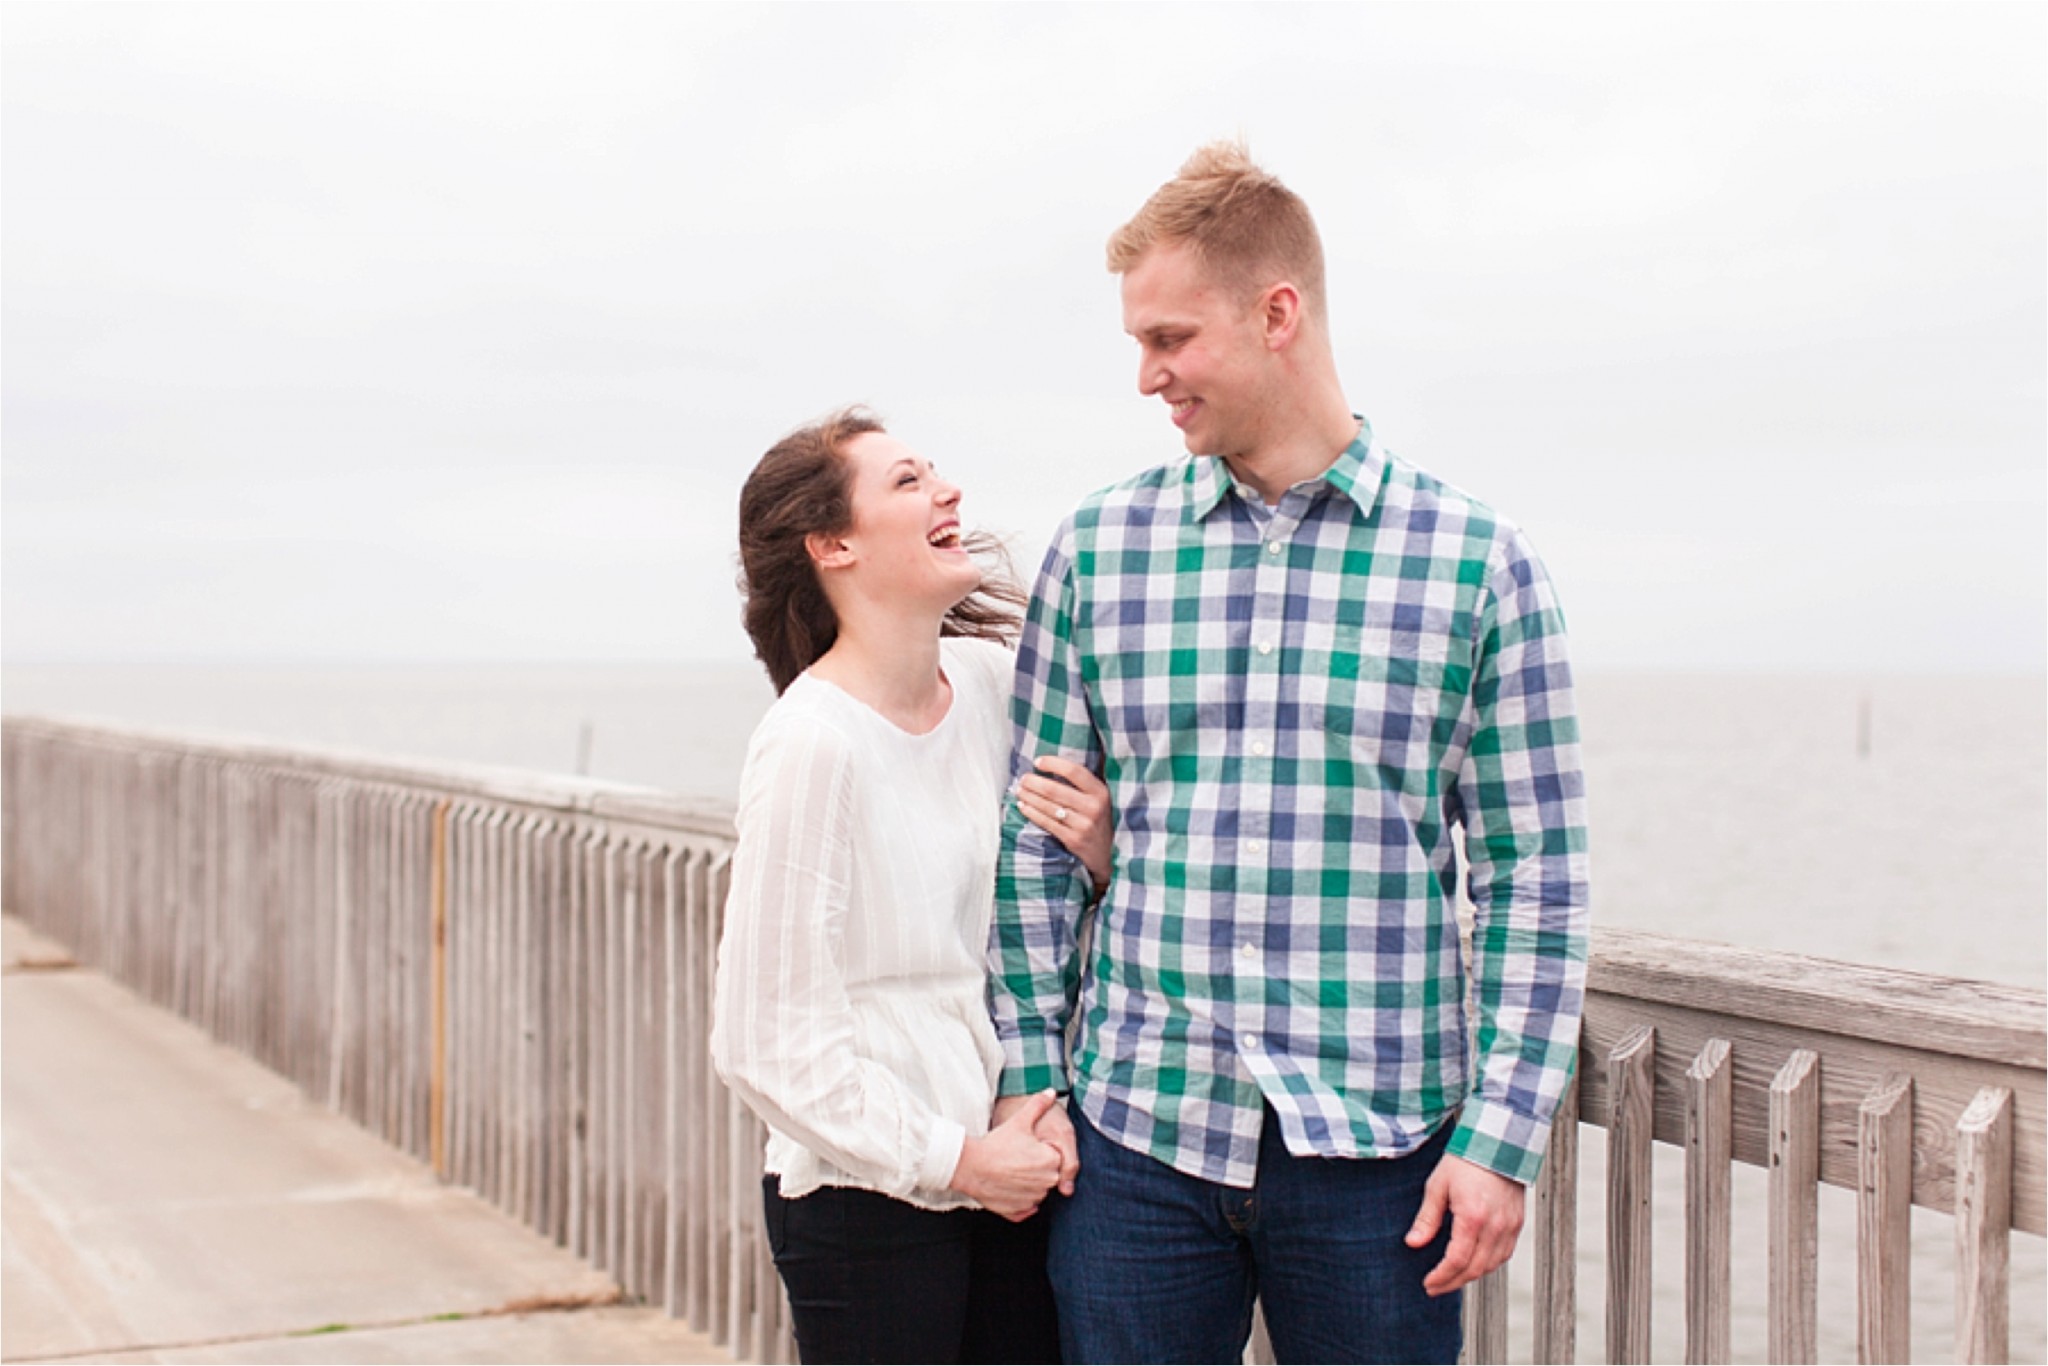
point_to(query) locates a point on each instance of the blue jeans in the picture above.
(1149, 1265)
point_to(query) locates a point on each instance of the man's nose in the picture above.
(1151, 376)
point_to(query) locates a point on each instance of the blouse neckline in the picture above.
(939, 726)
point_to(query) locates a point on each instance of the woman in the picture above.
(850, 1010)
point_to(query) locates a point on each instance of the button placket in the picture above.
(1271, 574)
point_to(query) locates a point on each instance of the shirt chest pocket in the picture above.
(1386, 675)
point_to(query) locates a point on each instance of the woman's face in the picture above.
(905, 543)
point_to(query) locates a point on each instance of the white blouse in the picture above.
(851, 1011)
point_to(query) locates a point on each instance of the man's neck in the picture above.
(1301, 451)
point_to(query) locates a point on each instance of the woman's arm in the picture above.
(782, 1022)
(1071, 805)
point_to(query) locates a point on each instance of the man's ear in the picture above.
(1280, 314)
(828, 551)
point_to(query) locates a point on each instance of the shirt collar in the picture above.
(1358, 473)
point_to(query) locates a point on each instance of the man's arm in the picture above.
(1041, 889)
(1523, 794)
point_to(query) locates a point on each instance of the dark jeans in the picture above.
(1153, 1266)
(875, 1279)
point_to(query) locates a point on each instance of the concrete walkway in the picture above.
(167, 1199)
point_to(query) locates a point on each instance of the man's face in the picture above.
(1201, 349)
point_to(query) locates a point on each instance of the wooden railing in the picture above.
(509, 976)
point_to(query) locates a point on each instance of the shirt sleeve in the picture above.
(1041, 888)
(782, 1033)
(1523, 793)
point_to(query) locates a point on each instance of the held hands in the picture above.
(1486, 1218)
(1053, 1127)
(1011, 1168)
(1073, 807)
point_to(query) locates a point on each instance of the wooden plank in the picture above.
(555, 1004)
(1884, 1223)
(1555, 1219)
(496, 1088)
(532, 1043)
(611, 1102)
(1631, 1071)
(466, 989)
(700, 948)
(651, 1165)
(1486, 1319)
(1794, 1255)
(674, 870)
(1709, 1128)
(1944, 1086)
(437, 1101)
(1983, 1229)
(582, 948)
(626, 1068)
(1987, 1021)
(617, 804)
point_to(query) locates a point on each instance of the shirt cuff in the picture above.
(1501, 1139)
(942, 1155)
(1033, 1062)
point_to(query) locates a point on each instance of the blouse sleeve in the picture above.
(782, 1031)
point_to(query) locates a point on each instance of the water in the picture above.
(1900, 821)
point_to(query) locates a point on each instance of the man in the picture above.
(1302, 665)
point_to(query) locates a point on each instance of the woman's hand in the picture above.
(1075, 812)
(1010, 1170)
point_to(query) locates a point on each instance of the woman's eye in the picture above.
(906, 481)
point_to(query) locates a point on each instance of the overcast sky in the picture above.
(449, 332)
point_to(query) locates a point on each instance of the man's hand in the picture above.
(1486, 1218)
(1052, 1127)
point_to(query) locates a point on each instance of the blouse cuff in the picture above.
(942, 1155)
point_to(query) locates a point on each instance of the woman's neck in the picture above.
(891, 663)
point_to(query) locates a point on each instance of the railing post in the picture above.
(1486, 1319)
(1795, 1210)
(1709, 1140)
(437, 1087)
(1556, 1224)
(1884, 1221)
(1983, 1227)
(1632, 1073)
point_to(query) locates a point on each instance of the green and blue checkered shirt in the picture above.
(1295, 709)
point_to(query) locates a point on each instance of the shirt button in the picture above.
(1272, 547)
(1254, 846)
(1250, 951)
(1251, 1041)
(1259, 747)
(1265, 647)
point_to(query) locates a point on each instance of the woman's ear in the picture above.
(828, 551)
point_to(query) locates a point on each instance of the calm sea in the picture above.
(1893, 820)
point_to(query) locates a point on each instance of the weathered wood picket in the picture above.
(509, 976)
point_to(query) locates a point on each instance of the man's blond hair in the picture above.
(1246, 227)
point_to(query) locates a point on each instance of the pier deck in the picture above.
(169, 1199)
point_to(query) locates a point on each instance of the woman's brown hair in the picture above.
(804, 485)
